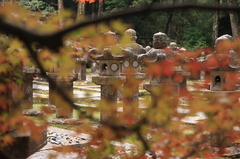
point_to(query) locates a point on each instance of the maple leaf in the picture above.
(83, 1)
(7, 140)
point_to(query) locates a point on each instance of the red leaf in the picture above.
(90, 1)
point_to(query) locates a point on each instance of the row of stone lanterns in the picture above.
(124, 67)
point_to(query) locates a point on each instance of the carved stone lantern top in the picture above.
(31, 70)
(134, 47)
(131, 51)
(131, 33)
(156, 53)
(222, 63)
(224, 55)
(110, 57)
(173, 46)
(163, 57)
(160, 40)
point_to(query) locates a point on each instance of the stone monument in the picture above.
(24, 144)
(224, 69)
(132, 70)
(162, 64)
(109, 73)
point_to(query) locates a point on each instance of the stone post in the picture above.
(28, 74)
(63, 110)
(95, 67)
(81, 68)
(109, 78)
(109, 92)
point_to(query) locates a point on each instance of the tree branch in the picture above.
(54, 40)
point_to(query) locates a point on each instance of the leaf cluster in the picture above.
(159, 129)
(38, 6)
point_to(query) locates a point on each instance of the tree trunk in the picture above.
(216, 21)
(60, 9)
(100, 8)
(170, 18)
(234, 19)
(80, 11)
(2, 2)
(94, 5)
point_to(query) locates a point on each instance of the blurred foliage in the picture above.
(38, 6)
(158, 128)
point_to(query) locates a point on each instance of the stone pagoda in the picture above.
(222, 66)
(132, 70)
(109, 72)
(163, 61)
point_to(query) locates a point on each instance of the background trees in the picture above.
(176, 24)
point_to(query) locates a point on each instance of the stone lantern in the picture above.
(28, 74)
(24, 143)
(135, 49)
(174, 48)
(81, 60)
(62, 108)
(225, 68)
(158, 57)
(132, 70)
(81, 63)
(109, 73)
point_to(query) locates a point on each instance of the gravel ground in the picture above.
(46, 151)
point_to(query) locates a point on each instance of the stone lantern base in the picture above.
(109, 91)
(24, 145)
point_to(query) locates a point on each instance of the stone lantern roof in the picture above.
(224, 57)
(157, 53)
(222, 65)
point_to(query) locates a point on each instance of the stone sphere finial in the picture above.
(110, 38)
(109, 33)
(160, 40)
(173, 45)
(131, 33)
(225, 37)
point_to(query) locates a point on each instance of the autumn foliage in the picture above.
(173, 123)
(84, 1)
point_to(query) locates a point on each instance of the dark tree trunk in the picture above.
(234, 19)
(94, 9)
(60, 9)
(80, 11)
(169, 19)
(216, 21)
(100, 8)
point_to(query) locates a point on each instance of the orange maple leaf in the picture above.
(83, 1)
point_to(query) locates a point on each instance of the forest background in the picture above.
(189, 28)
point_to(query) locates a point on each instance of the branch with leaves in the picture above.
(170, 138)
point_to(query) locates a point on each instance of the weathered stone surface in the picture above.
(65, 139)
(52, 108)
(108, 80)
(71, 121)
(80, 69)
(24, 145)
(63, 109)
(32, 112)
